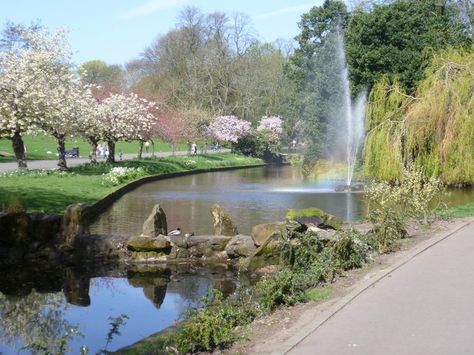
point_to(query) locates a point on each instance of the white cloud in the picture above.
(150, 7)
(286, 10)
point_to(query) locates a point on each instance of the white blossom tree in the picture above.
(27, 73)
(124, 117)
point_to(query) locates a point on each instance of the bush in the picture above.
(349, 251)
(263, 144)
(391, 206)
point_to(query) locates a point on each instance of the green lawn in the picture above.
(39, 146)
(52, 191)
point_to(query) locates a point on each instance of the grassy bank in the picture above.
(466, 210)
(44, 147)
(52, 191)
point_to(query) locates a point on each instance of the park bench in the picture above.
(73, 153)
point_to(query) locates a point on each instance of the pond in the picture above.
(41, 308)
(252, 196)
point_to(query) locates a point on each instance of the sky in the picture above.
(117, 31)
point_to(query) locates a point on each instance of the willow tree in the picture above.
(440, 125)
(433, 132)
(383, 150)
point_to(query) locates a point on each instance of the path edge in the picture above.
(330, 312)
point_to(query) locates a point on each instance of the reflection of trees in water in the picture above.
(34, 319)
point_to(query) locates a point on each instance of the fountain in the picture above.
(354, 117)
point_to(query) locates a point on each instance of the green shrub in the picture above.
(349, 251)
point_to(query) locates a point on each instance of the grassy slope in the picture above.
(52, 193)
(38, 146)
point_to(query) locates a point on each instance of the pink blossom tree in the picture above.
(229, 128)
(272, 124)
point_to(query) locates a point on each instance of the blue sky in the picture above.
(118, 30)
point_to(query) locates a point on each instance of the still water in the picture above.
(43, 308)
(251, 196)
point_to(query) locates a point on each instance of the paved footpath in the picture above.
(52, 164)
(425, 305)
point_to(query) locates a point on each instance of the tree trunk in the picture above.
(111, 156)
(19, 150)
(93, 155)
(205, 147)
(152, 148)
(61, 148)
(140, 150)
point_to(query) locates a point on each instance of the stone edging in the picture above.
(100, 206)
(327, 314)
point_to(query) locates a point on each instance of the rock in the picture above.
(148, 256)
(262, 232)
(155, 224)
(146, 244)
(325, 235)
(315, 216)
(75, 223)
(223, 224)
(268, 253)
(206, 245)
(15, 229)
(240, 246)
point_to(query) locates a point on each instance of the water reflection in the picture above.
(48, 306)
(252, 196)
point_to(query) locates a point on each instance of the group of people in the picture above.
(102, 150)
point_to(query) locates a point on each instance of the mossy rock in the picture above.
(315, 216)
(145, 244)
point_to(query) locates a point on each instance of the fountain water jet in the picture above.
(354, 115)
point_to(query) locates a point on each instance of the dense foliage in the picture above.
(400, 38)
(433, 131)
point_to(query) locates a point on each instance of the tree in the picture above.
(62, 111)
(316, 69)
(27, 74)
(97, 72)
(399, 39)
(229, 128)
(124, 117)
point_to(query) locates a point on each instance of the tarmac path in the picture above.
(52, 164)
(424, 305)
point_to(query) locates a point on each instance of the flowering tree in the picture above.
(272, 124)
(63, 112)
(172, 127)
(90, 121)
(229, 128)
(124, 117)
(27, 72)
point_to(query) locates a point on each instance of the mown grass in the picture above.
(52, 192)
(466, 210)
(39, 146)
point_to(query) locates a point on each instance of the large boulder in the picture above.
(155, 224)
(268, 253)
(316, 217)
(262, 232)
(223, 224)
(240, 246)
(143, 243)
